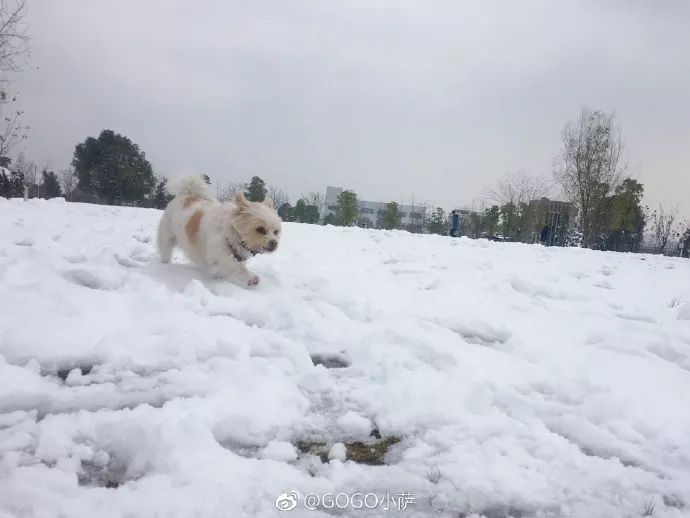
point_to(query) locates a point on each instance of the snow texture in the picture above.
(521, 380)
(279, 450)
(354, 425)
(338, 452)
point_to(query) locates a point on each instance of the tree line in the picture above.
(109, 169)
(605, 208)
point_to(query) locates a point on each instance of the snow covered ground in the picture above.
(503, 379)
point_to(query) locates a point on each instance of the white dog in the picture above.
(217, 236)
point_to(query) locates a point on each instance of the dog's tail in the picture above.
(191, 186)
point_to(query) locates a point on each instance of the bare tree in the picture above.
(513, 194)
(68, 182)
(13, 48)
(30, 173)
(425, 208)
(313, 198)
(589, 167)
(276, 196)
(663, 222)
(12, 130)
(228, 192)
(13, 37)
(518, 187)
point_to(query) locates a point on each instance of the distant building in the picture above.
(371, 212)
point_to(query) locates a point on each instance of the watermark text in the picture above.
(381, 501)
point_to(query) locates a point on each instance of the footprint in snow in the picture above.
(407, 271)
(81, 370)
(433, 285)
(330, 361)
(75, 259)
(127, 262)
(142, 239)
(603, 284)
(90, 280)
(637, 318)
(482, 334)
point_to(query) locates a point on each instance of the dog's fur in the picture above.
(217, 236)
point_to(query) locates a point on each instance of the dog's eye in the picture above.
(261, 230)
(275, 232)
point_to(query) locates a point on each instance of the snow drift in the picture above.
(487, 378)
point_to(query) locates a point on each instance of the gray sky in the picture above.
(435, 99)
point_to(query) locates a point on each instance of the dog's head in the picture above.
(258, 224)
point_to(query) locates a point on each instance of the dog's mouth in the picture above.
(272, 246)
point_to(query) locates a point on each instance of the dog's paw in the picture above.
(253, 280)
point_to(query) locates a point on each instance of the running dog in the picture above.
(219, 237)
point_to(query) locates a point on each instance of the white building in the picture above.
(371, 212)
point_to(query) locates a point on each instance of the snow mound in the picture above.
(684, 312)
(488, 379)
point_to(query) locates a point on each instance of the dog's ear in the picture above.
(268, 202)
(241, 200)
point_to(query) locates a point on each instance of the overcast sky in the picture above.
(393, 99)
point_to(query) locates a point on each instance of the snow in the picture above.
(279, 450)
(354, 425)
(338, 452)
(684, 313)
(520, 380)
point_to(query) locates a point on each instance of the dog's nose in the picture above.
(272, 244)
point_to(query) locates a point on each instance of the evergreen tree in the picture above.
(476, 225)
(509, 220)
(391, 216)
(11, 182)
(311, 214)
(300, 209)
(113, 168)
(256, 189)
(627, 216)
(618, 221)
(286, 212)
(161, 196)
(347, 211)
(6, 186)
(436, 224)
(491, 217)
(50, 185)
(305, 212)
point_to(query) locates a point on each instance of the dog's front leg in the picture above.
(225, 265)
(231, 269)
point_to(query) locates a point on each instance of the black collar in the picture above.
(247, 249)
(240, 257)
